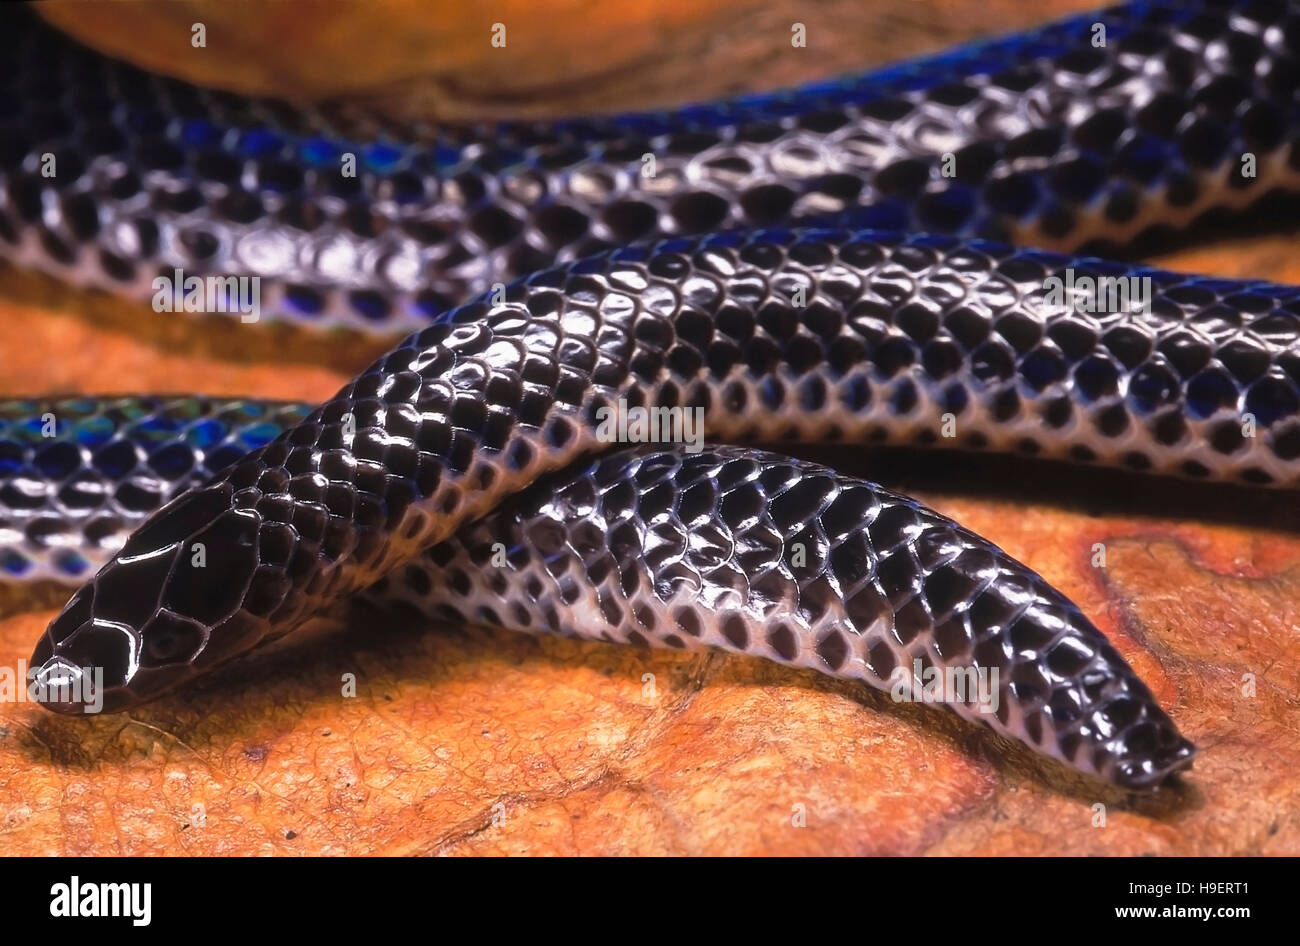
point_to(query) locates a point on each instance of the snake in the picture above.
(888, 258)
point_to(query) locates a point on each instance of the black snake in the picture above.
(466, 470)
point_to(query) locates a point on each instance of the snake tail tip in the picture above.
(1158, 769)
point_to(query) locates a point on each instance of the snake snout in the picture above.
(93, 659)
(63, 686)
(132, 631)
(188, 590)
(79, 660)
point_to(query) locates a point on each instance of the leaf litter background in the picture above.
(466, 741)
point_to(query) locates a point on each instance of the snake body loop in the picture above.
(843, 334)
(724, 548)
(458, 417)
(1057, 137)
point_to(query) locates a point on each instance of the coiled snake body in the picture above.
(403, 482)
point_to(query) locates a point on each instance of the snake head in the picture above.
(168, 606)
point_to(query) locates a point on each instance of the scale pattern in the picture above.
(898, 337)
(77, 475)
(1060, 136)
(759, 554)
(728, 548)
(1056, 137)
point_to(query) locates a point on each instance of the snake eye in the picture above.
(162, 647)
(170, 639)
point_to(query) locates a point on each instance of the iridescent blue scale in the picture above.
(173, 460)
(320, 152)
(304, 300)
(258, 435)
(260, 142)
(14, 564)
(157, 429)
(72, 563)
(201, 134)
(225, 455)
(1272, 399)
(1042, 368)
(31, 430)
(116, 459)
(57, 460)
(956, 398)
(205, 434)
(383, 158)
